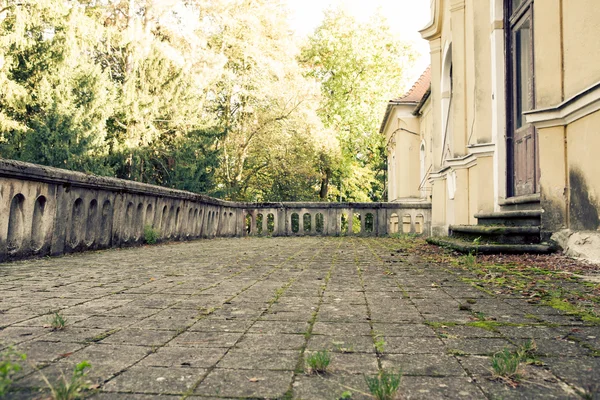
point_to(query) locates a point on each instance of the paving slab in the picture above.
(239, 318)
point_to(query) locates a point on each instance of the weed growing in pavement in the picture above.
(380, 345)
(384, 385)
(480, 316)
(470, 260)
(57, 321)
(70, 388)
(455, 352)
(319, 361)
(9, 366)
(379, 342)
(346, 395)
(101, 336)
(341, 347)
(150, 235)
(505, 365)
(526, 352)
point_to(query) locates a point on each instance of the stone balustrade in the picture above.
(50, 211)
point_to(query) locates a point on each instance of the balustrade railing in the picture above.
(50, 211)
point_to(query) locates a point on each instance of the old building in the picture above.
(506, 133)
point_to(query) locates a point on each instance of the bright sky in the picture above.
(406, 17)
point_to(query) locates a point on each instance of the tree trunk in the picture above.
(324, 186)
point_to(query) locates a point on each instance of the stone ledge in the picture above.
(469, 247)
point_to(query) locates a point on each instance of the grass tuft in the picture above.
(57, 321)
(72, 388)
(319, 361)
(506, 366)
(385, 385)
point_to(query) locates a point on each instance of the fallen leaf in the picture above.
(255, 379)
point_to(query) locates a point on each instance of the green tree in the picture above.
(360, 67)
(57, 99)
(264, 105)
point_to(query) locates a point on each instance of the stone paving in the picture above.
(237, 318)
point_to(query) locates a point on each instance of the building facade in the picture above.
(510, 121)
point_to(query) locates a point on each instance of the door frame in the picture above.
(512, 21)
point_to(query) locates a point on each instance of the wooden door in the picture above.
(523, 170)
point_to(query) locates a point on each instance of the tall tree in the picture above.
(359, 66)
(264, 104)
(55, 99)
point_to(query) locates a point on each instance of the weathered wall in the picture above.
(567, 116)
(581, 47)
(49, 211)
(459, 127)
(403, 139)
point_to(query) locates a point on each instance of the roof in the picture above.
(417, 91)
(414, 96)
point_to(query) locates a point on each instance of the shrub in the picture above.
(150, 235)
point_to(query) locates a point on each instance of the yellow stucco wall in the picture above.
(403, 153)
(547, 53)
(426, 130)
(566, 61)
(583, 142)
(581, 33)
(484, 186)
(553, 178)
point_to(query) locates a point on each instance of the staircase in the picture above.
(516, 229)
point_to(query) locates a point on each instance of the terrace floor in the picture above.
(239, 318)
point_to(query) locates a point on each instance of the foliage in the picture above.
(319, 361)
(55, 103)
(385, 385)
(379, 343)
(70, 388)
(9, 366)
(505, 365)
(211, 96)
(57, 321)
(150, 235)
(359, 67)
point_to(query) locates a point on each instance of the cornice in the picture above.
(482, 149)
(567, 112)
(433, 30)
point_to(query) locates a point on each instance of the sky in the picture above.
(406, 18)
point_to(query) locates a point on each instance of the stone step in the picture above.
(467, 247)
(497, 233)
(510, 218)
(520, 203)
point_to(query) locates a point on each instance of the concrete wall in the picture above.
(567, 117)
(49, 211)
(457, 121)
(403, 139)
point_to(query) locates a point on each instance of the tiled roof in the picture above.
(417, 91)
(414, 96)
